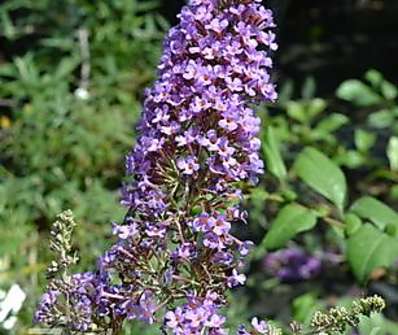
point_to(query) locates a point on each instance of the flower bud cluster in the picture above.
(337, 319)
(68, 301)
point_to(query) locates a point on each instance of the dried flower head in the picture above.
(337, 319)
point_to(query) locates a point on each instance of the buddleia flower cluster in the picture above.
(259, 327)
(292, 265)
(175, 255)
(67, 301)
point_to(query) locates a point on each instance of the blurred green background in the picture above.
(72, 75)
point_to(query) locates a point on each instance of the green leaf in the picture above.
(392, 153)
(296, 110)
(352, 224)
(332, 122)
(389, 90)
(381, 119)
(291, 220)
(7, 25)
(394, 192)
(309, 87)
(376, 324)
(364, 140)
(376, 211)
(304, 306)
(369, 249)
(350, 158)
(357, 93)
(392, 230)
(323, 175)
(286, 92)
(374, 77)
(315, 107)
(272, 155)
(66, 67)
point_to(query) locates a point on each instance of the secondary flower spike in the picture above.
(197, 145)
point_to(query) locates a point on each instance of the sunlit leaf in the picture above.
(323, 175)
(291, 220)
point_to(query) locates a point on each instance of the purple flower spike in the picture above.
(197, 143)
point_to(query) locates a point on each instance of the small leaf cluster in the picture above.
(71, 78)
(319, 188)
